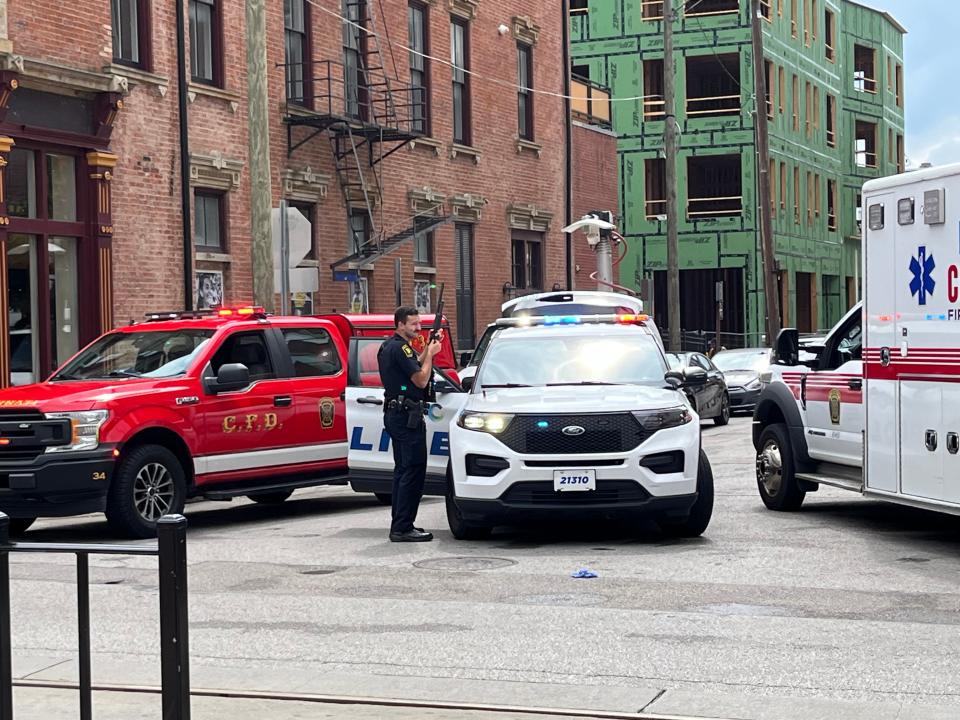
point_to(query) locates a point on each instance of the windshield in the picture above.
(755, 360)
(575, 360)
(156, 354)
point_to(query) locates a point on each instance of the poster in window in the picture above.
(421, 295)
(301, 303)
(359, 300)
(208, 289)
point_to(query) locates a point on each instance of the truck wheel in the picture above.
(149, 483)
(461, 529)
(724, 417)
(384, 498)
(271, 498)
(18, 526)
(697, 521)
(776, 482)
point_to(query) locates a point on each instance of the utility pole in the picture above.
(670, 156)
(261, 186)
(771, 299)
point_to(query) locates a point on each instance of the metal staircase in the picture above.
(368, 116)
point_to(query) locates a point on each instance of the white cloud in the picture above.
(940, 144)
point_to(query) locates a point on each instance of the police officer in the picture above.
(405, 378)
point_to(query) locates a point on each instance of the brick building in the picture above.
(405, 136)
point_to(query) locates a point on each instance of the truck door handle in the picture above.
(855, 384)
(953, 443)
(370, 401)
(282, 401)
(931, 440)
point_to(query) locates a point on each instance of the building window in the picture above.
(418, 33)
(783, 186)
(864, 69)
(423, 249)
(460, 59)
(590, 103)
(131, 32)
(830, 36)
(208, 220)
(770, 87)
(899, 85)
(831, 121)
(816, 107)
(713, 85)
(359, 231)
(714, 186)
(354, 79)
(810, 200)
(813, 21)
(901, 157)
(295, 23)
(817, 202)
(309, 211)
(651, 9)
(578, 7)
(783, 89)
(205, 37)
(793, 18)
(808, 99)
(865, 144)
(695, 8)
(796, 104)
(891, 148)
(796, 195)
(806, 22)
(525, 91)
(527, 260)
(653, 99)
(463, 262)
(832, 205)
(655, 187)
(773, 187)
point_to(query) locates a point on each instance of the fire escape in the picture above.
(367, 116)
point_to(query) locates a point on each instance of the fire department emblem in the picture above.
(418, 344)
(328, 412)
(835, 406)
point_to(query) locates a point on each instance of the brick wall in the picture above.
(594, 188)
(148, 264)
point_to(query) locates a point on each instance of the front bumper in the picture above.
(56, 485)
(525, 484)
(743, 399)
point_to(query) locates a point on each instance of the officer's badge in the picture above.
(407, 351)
(835, 406)
(328, 411)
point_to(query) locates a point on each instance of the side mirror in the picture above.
(787, 349)
(694, 376)
(465, 358)
(443, 385)
(233, 376)
(674, 378)
(467, 383)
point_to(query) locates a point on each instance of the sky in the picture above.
(931, 62)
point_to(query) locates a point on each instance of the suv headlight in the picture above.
(85, 429)
(654, 420)
(494, 423)
(754, 384)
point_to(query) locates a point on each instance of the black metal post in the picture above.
(174, 630)
(83, 635)
(6, 664)
(187, 226)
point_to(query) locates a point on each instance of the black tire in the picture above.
(724, 417)
(460, 528)
(778, 486)
(18, 526)
(271, 498)
(697, 521)
(141, 468)
(384, 498)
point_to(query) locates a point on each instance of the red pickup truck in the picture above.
(187, 404)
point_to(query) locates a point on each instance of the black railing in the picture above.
(329, 88)
(171, 551)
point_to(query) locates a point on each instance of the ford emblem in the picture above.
(573, 430)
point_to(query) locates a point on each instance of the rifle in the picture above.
(437, 318)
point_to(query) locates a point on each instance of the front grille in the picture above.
(8, 415)
(602, 433)
(542, 494)
(27, 434)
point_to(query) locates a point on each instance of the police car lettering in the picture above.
(439, 442)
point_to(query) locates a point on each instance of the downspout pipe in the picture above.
(184, 159)
(568, 141)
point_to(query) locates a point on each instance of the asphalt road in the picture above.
(846, 604)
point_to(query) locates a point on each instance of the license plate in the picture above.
(574, 480)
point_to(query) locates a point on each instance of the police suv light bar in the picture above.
(529, 321)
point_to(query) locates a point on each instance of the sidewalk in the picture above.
(641, 701)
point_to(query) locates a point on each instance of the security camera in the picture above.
(592, 226)
(503, 29)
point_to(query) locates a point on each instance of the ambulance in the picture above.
(877, 410)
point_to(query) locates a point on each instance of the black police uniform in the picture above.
(404, 406)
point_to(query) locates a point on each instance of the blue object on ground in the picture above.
(583, 573)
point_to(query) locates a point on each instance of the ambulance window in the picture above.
(846, 347)
(248, 349)
(312, 351)
(364, 367)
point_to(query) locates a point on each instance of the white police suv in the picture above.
(577, 414)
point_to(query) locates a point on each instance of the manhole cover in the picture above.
(466, 564)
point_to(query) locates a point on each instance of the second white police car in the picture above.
(577, 414)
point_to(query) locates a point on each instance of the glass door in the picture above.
(62, 285)
(22, 308)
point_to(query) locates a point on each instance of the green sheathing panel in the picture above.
(613, 41)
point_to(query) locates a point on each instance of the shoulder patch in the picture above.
(407, 351)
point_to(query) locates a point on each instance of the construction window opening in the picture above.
(864, 69)
(865, 147)
(702, 8)
(715, 187)
(653, 103)
(713, 85)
